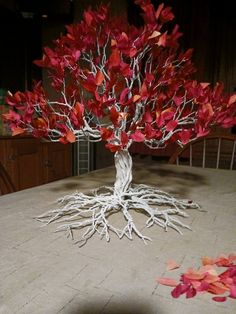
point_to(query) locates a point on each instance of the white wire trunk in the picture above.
(123, 164)
(91, 213)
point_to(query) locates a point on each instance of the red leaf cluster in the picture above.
(207, 279)
(134, 82)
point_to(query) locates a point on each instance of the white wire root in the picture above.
(91, 212)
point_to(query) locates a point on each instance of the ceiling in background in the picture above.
(30, 9)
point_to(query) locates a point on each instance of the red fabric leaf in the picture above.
(184, 136)
(171, 125)
(166, 15)
(149, 77)
(144, 91)
(124, 139)
(167, 281)
(217, 288)
(159, 120)
(136, 98)
(106, 133)
(179, 289)
(191, 293)
(88, 17)
(40, 123)
(203, 286)
(207, 261)
(132, 52)
(11, 115)
(89, 85)
(147, 117)
(70, 136)
(204, 85)
(201, 131)
(178, 100)
(149, 131)
(159, 9)
(99, 78)
(79, 109)
(125, 70)
(137, 136)
(232, 99)
(171, 265)
(114, 59)
(123, 95)
(114, 115)
(233, 292)
(194, 275)
(219, 299)
(63, 140)
(17, 130)
(154, 35)
(113, 148)
(167, 114)
(223, 260)
(162, 40)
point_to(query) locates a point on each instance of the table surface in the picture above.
(42, 271)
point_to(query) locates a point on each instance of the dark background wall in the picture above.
(208, 27)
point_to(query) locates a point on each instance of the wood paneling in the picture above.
(30, 162)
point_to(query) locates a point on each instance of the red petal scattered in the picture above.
(172, 264)
(219, 299)
(233, 292)
(176, 292)
(167, 281)
(179, 289)
(191, 293)
(207, 261)
(217, 288)
(206, 279)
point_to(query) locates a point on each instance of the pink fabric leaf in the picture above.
(172, 264)
(123, 95)
(137, 136)
(185, 136)
(167, 281)
(233, 292)
(219, 299)
(171, 125)
(191, 292)
(179, 289)
(147, 117)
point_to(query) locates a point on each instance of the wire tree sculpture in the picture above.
(120, 84)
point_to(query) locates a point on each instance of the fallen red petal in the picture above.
(219, 299)
(167, 281)
(233, 292)
(172, 264)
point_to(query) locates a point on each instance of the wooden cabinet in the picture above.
(30, 162)
(57, 161)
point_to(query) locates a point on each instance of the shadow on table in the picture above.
(119, 308)
(178, 180)
(89, 181)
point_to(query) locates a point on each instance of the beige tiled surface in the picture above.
(43, 272)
